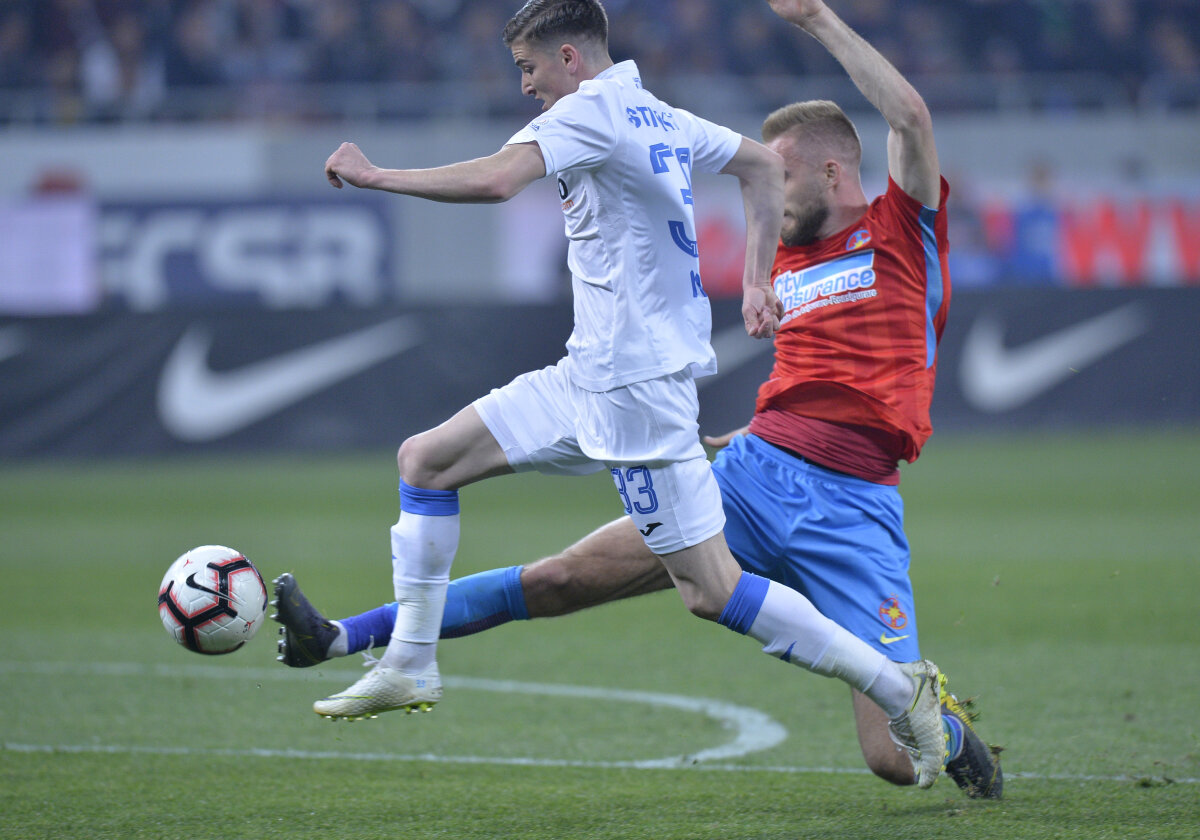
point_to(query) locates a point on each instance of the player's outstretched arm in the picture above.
(486, 180)
(912, 155)
(760, 172)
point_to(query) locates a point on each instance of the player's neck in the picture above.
(843, 213)
(593, 68)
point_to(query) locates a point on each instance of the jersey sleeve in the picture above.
(712, 145)
(902, 210)
(577, 133)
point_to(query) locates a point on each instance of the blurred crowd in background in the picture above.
(74, 61)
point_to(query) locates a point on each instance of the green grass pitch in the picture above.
(1056, 580)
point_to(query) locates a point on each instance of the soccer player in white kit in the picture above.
(624, 397)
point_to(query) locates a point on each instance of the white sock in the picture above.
(791, 628)
(340, 646)
(893, 690)
(423, 549)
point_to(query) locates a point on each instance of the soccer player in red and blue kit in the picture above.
(810, 487)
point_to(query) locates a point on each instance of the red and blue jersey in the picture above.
(864, 310)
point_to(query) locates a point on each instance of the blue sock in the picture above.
(745, 602)
(369, 629)
(954, 728)
(473, 603)
(481, 601)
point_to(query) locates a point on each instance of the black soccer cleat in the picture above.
(977, 768)
(306, 635)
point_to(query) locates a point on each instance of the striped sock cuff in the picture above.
(514, 594)
(745, 602)
(954, 727)
(428, 502)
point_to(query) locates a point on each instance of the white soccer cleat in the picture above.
(384, 689)
(919, 730)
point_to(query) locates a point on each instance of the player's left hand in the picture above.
(796, 11)
(721, 441)
(761, 311)
(348, 164)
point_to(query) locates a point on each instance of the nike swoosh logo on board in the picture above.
(887, 640)
(196, 403)
(995, 378)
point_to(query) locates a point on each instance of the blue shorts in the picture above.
(837, 539)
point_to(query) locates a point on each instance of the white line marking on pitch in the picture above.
(754, 731)
(118, 749)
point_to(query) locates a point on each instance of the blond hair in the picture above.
(817, 123)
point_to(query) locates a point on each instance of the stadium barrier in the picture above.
(336, 379)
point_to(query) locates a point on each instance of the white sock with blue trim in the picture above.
(424, 541)
(792, 629)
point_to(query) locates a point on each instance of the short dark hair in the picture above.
(540, 21)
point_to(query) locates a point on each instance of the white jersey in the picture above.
(624, 161)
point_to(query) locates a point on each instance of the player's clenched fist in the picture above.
(796, 11)
(761, 311)
(348, 164)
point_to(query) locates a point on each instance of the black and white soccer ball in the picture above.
(212, 600)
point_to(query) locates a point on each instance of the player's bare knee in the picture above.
(548, 586)
(416, 463)
(890, 764)
(699, 602)
(893, 772)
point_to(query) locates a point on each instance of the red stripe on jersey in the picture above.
(861, 308)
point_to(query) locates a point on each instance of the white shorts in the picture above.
(645, 434)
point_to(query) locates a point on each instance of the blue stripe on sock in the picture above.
(954, 726)
(744, 603)
(515, 594)
(428, 502)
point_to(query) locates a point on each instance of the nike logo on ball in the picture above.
(995, 378)
(195, 584)
(196, 403)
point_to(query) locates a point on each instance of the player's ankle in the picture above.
(955, 739)
(340, 646)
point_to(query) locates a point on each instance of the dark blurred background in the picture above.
(64, 62)
(163, 163)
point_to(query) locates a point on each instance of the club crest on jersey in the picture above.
(858, 239)
(891, 614)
